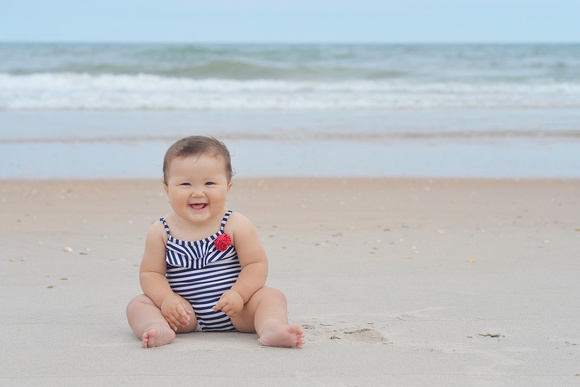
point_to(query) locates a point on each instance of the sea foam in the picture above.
(81, 91)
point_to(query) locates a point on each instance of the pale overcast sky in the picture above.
(290, 21)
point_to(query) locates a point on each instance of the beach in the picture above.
(395, 281)
(419, 205)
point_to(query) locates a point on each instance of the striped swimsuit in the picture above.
(200, 273)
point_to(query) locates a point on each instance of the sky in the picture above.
(300, 21)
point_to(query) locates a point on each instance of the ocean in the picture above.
(316, 110)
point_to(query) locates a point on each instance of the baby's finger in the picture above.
(175, 320)
(183, 316)
(218, 306)
(171, 324)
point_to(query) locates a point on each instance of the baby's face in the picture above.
(197, 188)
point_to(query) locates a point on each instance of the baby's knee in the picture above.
(273, 293)
(139, 300)
(190, 327)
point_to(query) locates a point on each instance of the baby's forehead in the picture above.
(208, 155)
(211, 157)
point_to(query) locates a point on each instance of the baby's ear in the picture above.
(230, 185)
(166, 188)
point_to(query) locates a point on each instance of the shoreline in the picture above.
(443, 144)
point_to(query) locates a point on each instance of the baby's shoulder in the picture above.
(241, 230)
(237, 221)
(236, 218)
(157, 230)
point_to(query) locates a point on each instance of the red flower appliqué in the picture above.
(223, 242)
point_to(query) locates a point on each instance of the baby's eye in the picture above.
(185, 184)
(210, 183)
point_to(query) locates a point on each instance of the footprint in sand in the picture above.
(366, 335)
(346, 333)
(420, 313)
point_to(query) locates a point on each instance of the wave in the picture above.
(83, 91)
(385, 137)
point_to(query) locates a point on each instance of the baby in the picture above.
(203, 264)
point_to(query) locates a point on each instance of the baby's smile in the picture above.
(198, 206)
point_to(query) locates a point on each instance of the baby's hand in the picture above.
(176, 311)
(231, 303)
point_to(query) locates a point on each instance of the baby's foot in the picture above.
(283, 336)
(158, 335)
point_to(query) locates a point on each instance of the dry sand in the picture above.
(396, 282)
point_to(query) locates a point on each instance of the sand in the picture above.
(395, 282)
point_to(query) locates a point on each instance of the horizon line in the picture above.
(281, 42)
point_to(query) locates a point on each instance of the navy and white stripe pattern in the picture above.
(200, 273)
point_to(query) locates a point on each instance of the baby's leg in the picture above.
(266, 313)
(148, 323)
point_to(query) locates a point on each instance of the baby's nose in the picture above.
(196, 193)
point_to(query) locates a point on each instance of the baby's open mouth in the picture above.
(198, 206)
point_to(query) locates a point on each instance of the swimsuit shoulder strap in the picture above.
(225, 219)
(165, 225)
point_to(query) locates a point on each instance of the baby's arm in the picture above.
(174, 308)
(253, 261)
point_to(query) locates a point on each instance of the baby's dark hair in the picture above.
(197, 146)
